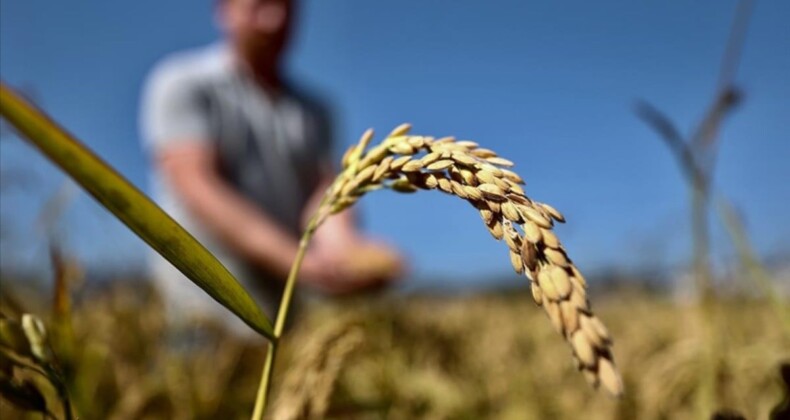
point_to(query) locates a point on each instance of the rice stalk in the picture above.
(408, 163)
(309, 383)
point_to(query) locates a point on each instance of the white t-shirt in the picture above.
(270, 150)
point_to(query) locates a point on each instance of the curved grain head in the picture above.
(408, 163)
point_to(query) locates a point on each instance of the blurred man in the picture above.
(241, 160)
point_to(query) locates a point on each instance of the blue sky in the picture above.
(550, 85)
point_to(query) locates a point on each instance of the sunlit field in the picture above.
(476, 356)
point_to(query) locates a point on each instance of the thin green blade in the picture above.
(133, 208)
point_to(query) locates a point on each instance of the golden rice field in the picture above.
(467, 357)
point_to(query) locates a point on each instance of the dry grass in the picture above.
(316, 364)
(420, 357)
(423, 359)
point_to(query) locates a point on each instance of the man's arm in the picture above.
(176, 124)
(190, 169)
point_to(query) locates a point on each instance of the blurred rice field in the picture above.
(490, 356)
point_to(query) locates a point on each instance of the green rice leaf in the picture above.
(133, 208)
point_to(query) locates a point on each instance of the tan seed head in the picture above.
(400, 130)
(550, 239)
(468, 176)
(532, 232)
(347, 155)
(417, 142)
(403, 185)
(495, 228)
(494, 206)
(578, 275)
(491, 168)
(412, 166)
(510, 212)
(609, 377)
(440, 165)
(483, 153)
(547, 285)
(515, 188)
(398, 163)
(499, 161)
(583, 349)
(463, 158)
(477, 175)
(402, 148)
(492, 192)
(430, 181)
(556, 256)
(561, 281)
(430, 158)
(579, 300)
(529, 254)
(485, 177)
(467, 144)
(537, 295)
(443, 141)
(365, 175)
(512, 176)
(570, 316)
(458, 189)
(515, 261)
(512, 239)
(444, 185)
(585, 322)
(473, 193)
(553, 311)
(487, 215)
(556, 215)
(535, 216)
(382, 168)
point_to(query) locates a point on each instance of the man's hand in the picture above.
(357, 266)
(190, 167)
(341, 260)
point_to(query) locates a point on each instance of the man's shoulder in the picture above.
(193, 66)
(175, 92)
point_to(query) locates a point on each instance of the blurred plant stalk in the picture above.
(696, 159)
(751, 263)
(141, 215)
(264, 388)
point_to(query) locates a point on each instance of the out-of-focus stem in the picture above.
(702, 276)
(285, 302)
(751, 263)
(701, 240)
(263, 388)
(282, 314)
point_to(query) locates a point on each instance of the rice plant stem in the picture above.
(282, 312)
(263, 388)
(285, 302)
